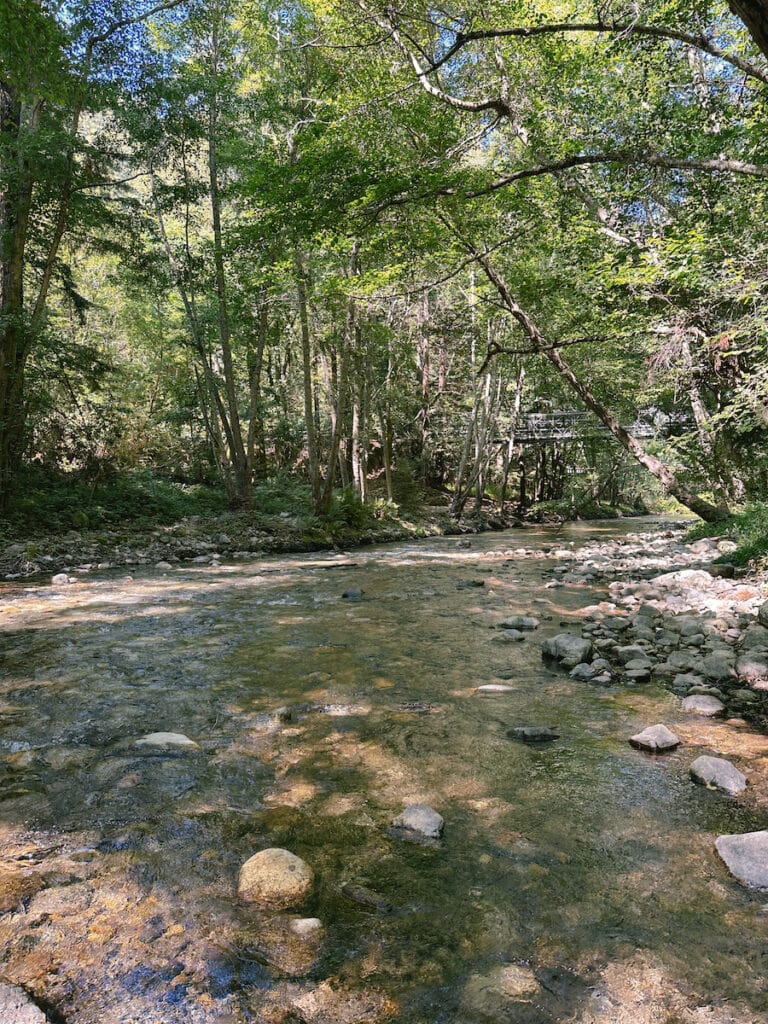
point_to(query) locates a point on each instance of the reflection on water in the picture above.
(316, 718)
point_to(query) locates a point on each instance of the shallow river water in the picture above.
(586, 864)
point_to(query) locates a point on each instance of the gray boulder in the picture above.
(703, 704)
(656, 739)
(755, 638)
(421, 819)
(717, 773)
(719, 666)
(751, 667)
(525, 623)
(746, 857)
(762, 614)
(567, 649)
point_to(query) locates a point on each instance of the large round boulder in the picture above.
(275, 879)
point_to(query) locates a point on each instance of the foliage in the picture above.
(57, 503)
(748, 527)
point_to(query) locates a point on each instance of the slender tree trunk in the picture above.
(516, 405)
(257, 448)
(313, 457)
(240, 461)
(666, 477)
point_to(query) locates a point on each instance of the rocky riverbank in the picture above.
(695, 627)
(211, 540)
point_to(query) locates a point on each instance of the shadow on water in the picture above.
(568, 872)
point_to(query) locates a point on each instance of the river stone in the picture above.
(684, 661)
(510, 636)
(703, 704)
(169, 740)
(524, 623)
(746, 857)
(631, 653)
(275, 879)
(583, 672)
(762, 614)
(719, 666)
(353, 594)
(639, 665)
(751, 667)
(567, 649)
(422, 819)
(717, 773)
(163, 565)
(755, 638)
(17, 1008)
(533, 733)
(496, 688)
(60, 579)
(657, 739)
(489, 998)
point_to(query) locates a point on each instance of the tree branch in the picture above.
(619, 156)
(626, 29)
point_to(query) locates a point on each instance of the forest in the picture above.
(360, 249)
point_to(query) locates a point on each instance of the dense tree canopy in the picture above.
(358, 243)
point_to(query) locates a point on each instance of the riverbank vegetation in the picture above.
(499, 259)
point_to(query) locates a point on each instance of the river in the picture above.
(575, 881)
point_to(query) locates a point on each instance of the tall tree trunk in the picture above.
(257, 447)
(313, 457)
(18, 121)
(240, 461)
(515, 413)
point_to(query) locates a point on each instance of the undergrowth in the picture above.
(748, 527)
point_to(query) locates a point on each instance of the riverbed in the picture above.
(575, 881)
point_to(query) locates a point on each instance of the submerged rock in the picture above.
(353, 594)
(167, 740)
(533, 733)
(717, 773)
(275, 879)
(491, 997)
(421, 819)
(746, 857)
(657, 739)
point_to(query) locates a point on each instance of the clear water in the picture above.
(568, 859)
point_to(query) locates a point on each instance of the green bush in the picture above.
(748, 527)
(47, 503)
